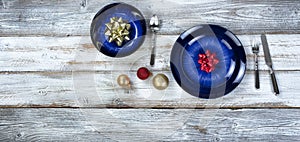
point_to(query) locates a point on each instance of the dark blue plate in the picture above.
(137, 30)
(228, 73)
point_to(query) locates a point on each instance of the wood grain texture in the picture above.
(79, 54)
(50, 124)
(55, 86)
(73, 17)
(100, 89)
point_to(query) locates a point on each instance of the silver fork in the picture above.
(255, 50)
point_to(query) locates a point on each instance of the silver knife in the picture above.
(269, 62)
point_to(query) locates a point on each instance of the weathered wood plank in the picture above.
(78, 53)
(73, 17)
(50, 124)
(100, 89)
(62, 72)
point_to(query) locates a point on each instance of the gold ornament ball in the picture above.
(123, 80)
(160, 81)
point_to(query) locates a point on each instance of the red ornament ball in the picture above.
(143, 73)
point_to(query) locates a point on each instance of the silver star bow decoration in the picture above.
(117, 30)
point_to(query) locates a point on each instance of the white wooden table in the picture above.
(55, 86)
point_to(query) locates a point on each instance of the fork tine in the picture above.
(255, 46)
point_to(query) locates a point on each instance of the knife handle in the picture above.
(257, 86)
(274, 82)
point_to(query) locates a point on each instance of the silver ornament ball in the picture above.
(160, 81)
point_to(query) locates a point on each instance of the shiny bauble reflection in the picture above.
(160, 81)
(124, 81)
(143, 73)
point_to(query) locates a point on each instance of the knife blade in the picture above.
(268, 61)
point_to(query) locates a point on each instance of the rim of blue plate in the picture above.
(229, 71)
(137, 30)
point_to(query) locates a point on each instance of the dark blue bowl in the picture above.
(137, 30)
(228, 73)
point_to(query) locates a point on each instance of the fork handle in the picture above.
(257, 86)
